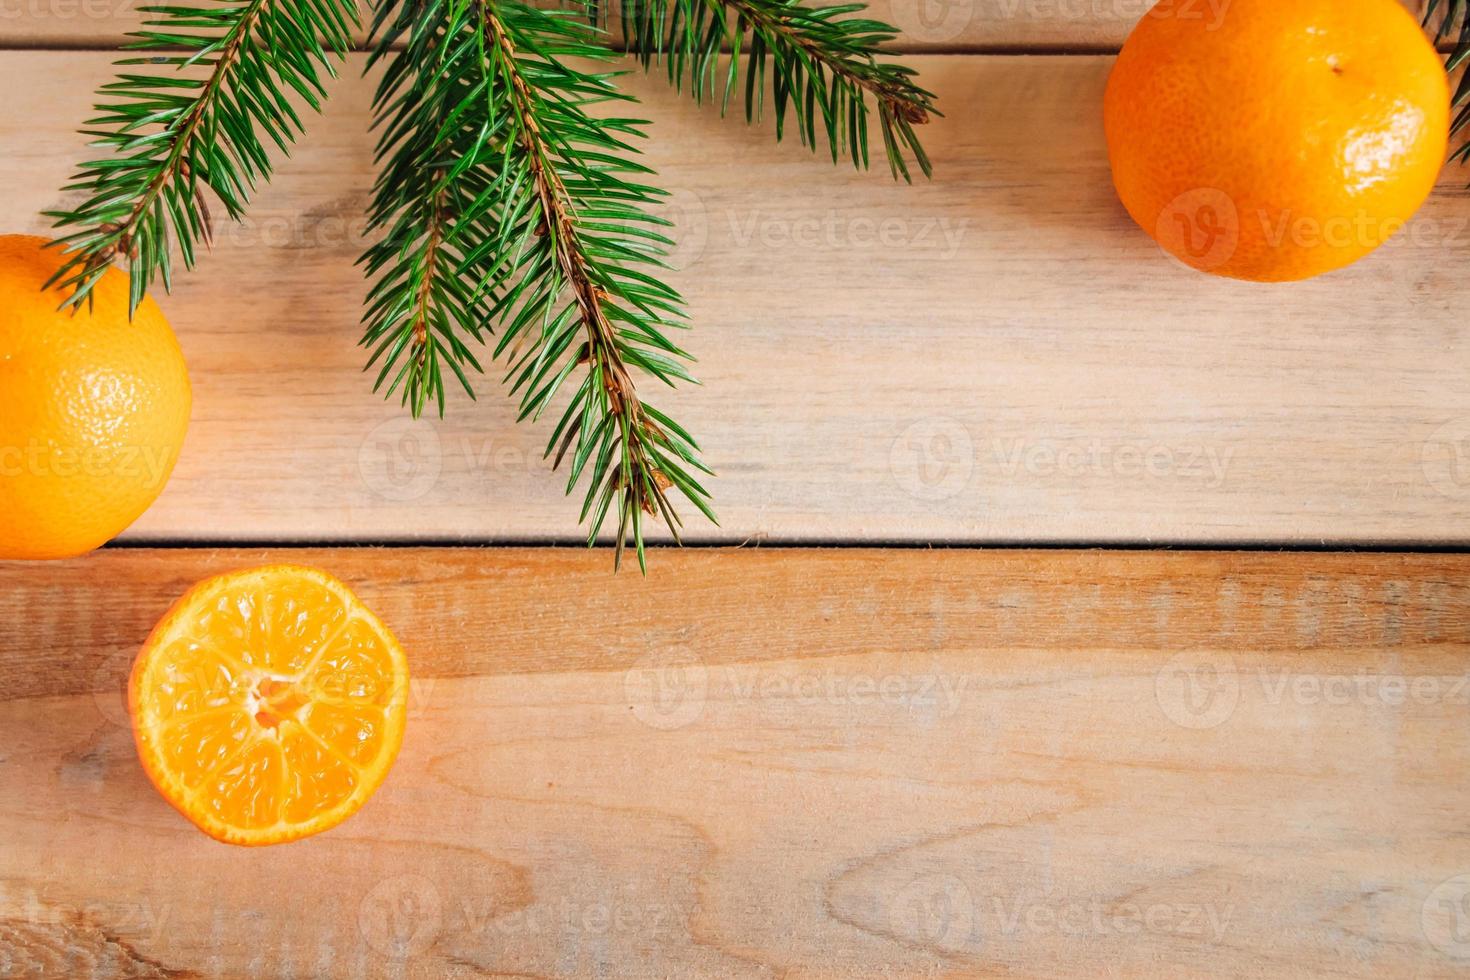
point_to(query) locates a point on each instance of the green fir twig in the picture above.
(1449, 22)
(224, 71)
(551, 231)
(503, 199)
(822, 64)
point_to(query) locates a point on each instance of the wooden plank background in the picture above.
(924, 25)
(762, 762)
(959, 25)
(771, 763)
(995, 356)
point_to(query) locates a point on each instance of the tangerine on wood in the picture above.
(268, 704)
(93, 407)
(1275, 139)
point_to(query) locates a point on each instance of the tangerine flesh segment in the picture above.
(351, 670)
(317, 779)
(196, 746)
(247, 791)
(268, 704)
(297, 621)
(358, 732)
(189, 684)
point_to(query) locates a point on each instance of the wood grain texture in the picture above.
(998, 355)
(924, 25)
(954, 25)
(807, 764)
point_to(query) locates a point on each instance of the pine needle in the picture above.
(220, 79)
(507, 203)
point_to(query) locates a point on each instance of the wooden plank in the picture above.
(924, 25)
(817, 764)
(951, 25)
(996, 355)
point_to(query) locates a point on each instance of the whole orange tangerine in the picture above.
(268, 704)
(1275, 140)
(93, 407)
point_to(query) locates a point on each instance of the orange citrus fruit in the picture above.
(1275, 139)
(93, 408)
(268, 704)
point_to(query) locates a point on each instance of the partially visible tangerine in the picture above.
(1275, 139)
(268, 704)
(93, 407)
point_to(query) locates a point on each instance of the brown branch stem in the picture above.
(558, 219)
(897, 101)
(435, 238)
(176, 164)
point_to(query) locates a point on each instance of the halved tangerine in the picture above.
(268, 704)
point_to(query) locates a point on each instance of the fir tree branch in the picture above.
(171, 131)
(548, 231)
(424, 303)
(1450, 19)
(567, 187)
(823, 66)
